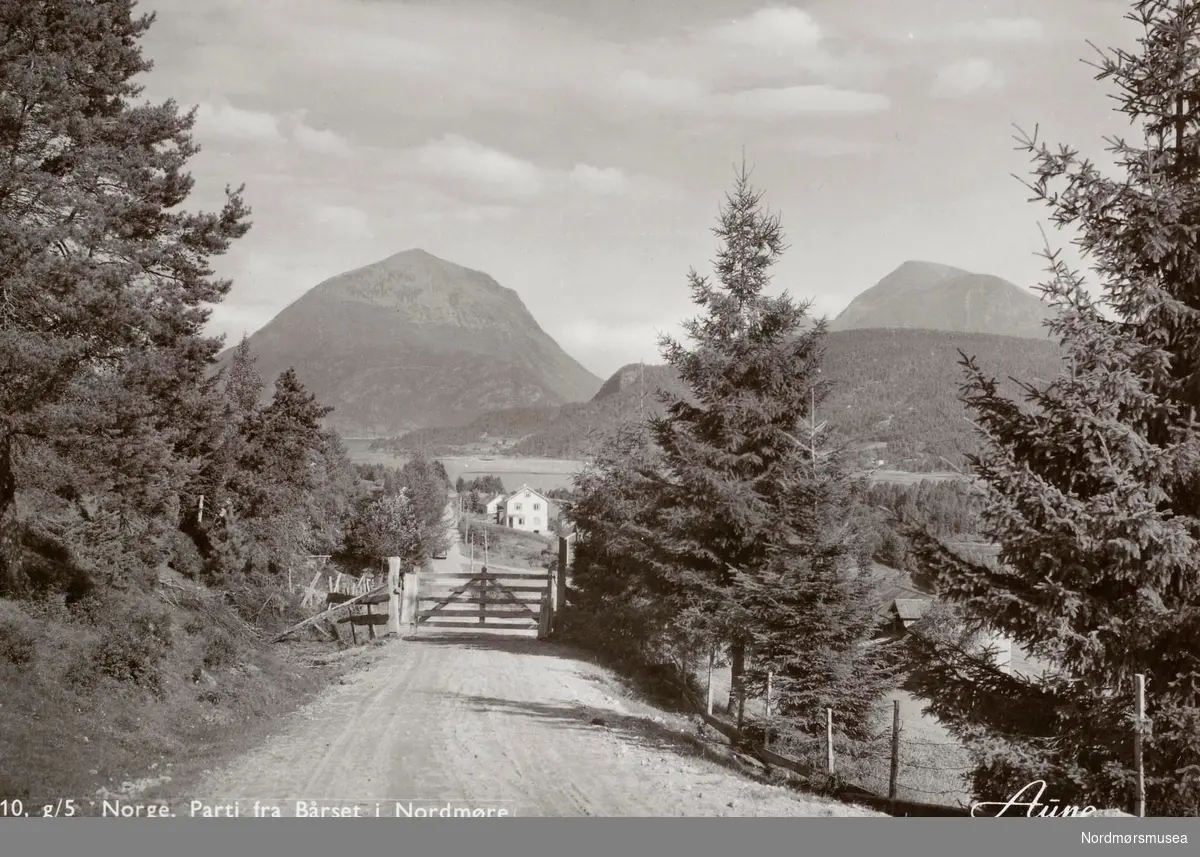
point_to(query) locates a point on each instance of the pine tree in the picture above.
(99, 265)
(1092, 482)
(105, 280)
(754, 507)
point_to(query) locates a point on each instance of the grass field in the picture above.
(541, 473)
(903, 477)
(506, 546)
(932, 762)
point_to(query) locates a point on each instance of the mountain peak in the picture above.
(933, 296)
(415, 340)
(413, 254)
(921, 267)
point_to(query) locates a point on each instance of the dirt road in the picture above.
(493, 721)
(501, 718)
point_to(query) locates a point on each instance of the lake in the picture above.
(541, 473)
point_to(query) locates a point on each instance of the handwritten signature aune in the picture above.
(1034, 808)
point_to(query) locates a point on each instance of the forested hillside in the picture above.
(893, 387)
(151, 509)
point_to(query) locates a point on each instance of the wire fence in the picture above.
(898, 763)
(891, 765)
(909, 758)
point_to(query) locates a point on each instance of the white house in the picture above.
(525, 509)
(494, 506)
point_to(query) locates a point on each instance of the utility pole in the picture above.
(200, 514)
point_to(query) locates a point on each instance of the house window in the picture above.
(521, 522)
(536, 521)
(517, 506)
(537, 506)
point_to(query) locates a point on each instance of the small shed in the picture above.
(904, 612)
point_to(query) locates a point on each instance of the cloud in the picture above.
(689, 96)
(494, 179)
(995, 30)
(322, 141)
(416, 60)
(228, 122)
(601, 180)
(467, 162)
(771, 29)
(344, 219)
(967, 78)
(823, 146)
(799, 101)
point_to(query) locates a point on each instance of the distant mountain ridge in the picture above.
(894, 397)
(413, 341)
(932, 296)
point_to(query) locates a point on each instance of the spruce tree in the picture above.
(624, 599)
(1091, 483)
(755, 541)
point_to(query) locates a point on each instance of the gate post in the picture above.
(560, 582)
(543, 630)
(394, 595)
(409, 603)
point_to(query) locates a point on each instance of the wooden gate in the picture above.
(486, 599)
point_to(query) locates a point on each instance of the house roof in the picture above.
(909, 609)
(522, 490)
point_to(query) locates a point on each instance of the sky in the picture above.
(578, 151)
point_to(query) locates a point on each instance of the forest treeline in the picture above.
(893, 387)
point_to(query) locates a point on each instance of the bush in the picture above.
(220, 650)
(18, 641)
(185, 557)
(134, 642)
(262, 601)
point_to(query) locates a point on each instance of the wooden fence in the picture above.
(371, 601)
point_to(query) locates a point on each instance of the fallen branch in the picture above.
(312, 620)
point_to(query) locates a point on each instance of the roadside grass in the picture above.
(127, 695)
(933, 763)
(506, 546)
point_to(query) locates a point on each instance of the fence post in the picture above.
(770, 687)
(712, 658)
(894, 776)
(560, 589)
(394, 595)
(829, 741)
(409, 603)
(1139, 803)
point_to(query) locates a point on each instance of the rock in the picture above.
(599, 721)
(202, 677)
